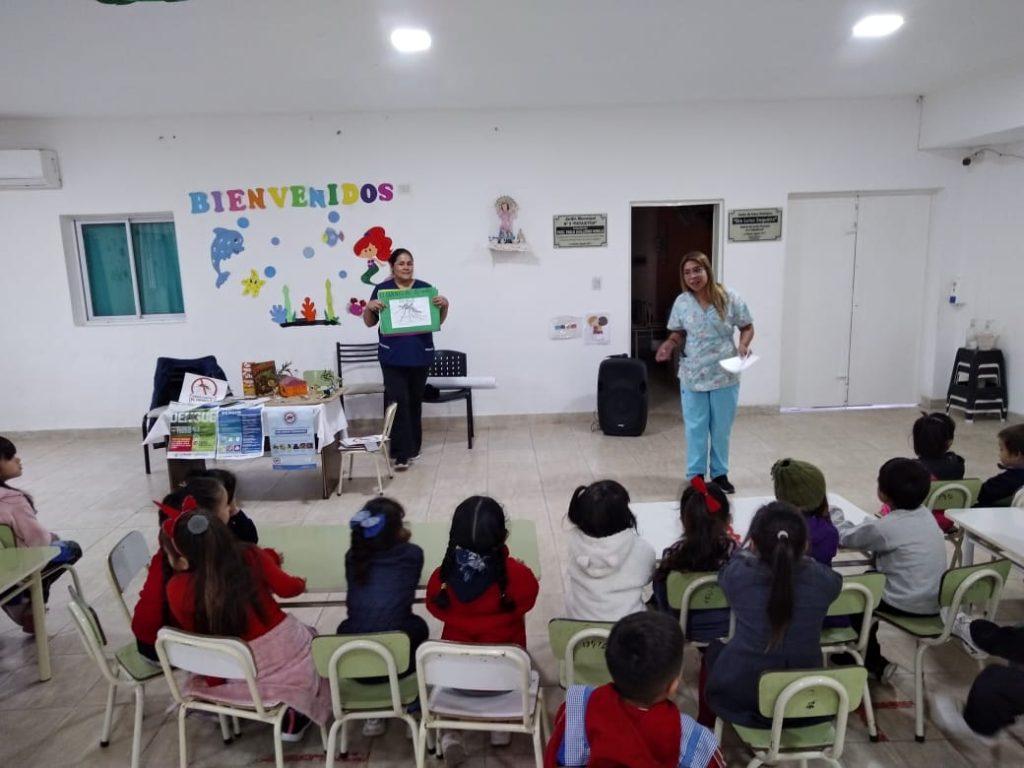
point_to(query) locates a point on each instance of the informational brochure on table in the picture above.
(292, 437)
(193, 434)
(240, 433)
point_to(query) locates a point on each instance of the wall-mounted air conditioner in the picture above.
(29, 169)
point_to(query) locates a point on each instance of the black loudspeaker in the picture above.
(622, 396)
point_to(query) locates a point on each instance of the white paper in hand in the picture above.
(738, 364)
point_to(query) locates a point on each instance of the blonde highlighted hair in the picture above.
(719, 297)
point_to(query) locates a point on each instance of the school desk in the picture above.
(21, 566)
(998, 529)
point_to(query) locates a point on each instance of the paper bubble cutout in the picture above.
(275, 241)
(334, 217)
(269, 271)
(243, 222)
(308, 252)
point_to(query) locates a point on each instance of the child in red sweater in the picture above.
(225, 587)
(633, 720)
(479, 592)
(151, 611)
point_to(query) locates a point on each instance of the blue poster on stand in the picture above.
(292, 437)
(240, 433)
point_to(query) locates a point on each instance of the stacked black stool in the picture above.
(978, 383)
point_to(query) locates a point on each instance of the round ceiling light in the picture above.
(878, 25)
(409, 40)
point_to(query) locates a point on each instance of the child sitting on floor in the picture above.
(707, 543)
(999, 490)
(633, 720)
(18, 511)
(226, 587)
(911, 553)
(382, 570)
(609, 564)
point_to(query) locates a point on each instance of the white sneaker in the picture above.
(375, 726)
(962, 631)
(501, 738)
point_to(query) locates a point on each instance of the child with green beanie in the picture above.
(803, 485)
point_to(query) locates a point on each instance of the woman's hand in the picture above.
(439, 301)
(665, 351)
(375, 306)
(742, 349)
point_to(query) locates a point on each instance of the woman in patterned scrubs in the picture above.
(701, 326)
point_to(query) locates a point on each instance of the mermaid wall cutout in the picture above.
(375, 247)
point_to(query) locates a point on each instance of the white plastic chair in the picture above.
(381, 448)
(1018, 499)
(128, 557)
(447, 670)
(224, 657)
(128, 669)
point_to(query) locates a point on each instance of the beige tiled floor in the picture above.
(90, 487)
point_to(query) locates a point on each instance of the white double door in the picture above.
(854, 293)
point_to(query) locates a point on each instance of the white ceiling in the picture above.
(81, 58)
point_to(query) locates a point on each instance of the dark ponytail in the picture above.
(779, 534)
(479, 526)
(363, 546)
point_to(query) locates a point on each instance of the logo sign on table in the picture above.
(755, 224)
(202, 389)
(292, 437)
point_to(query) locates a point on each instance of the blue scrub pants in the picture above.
(707, 413)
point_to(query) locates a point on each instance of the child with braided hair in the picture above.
(480, 593)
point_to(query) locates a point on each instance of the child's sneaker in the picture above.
(375, 726)
(294, 726)
(452, 750)
(962, 631)
(501, 738)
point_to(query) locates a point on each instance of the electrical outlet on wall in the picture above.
(595, 283)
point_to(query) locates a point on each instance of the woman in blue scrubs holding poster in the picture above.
(404, 361)
(701, 327)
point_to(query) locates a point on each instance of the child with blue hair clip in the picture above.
(382, 570)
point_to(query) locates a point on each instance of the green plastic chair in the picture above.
(579, 647)
(803, 693)
(696, 592)
(342, 658)
(954, 494)
(128, 669)
(860, 596)
(971, 585)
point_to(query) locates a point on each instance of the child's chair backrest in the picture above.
(6, 537)
(953, 494)
(696, 592)
(580, 647)
(974, 584)
(860, 594)
(128, 557)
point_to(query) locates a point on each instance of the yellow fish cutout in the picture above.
(252, 284)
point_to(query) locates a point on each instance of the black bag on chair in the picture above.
(622, 396)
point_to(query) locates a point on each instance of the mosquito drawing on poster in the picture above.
(409, 312)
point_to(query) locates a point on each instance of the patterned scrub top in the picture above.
(709, 339)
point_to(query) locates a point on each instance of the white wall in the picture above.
(581, 161)
(986, 253)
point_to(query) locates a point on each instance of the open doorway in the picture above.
(660, 234)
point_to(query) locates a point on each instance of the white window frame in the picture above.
(78, 271)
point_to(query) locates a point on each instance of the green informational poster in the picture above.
(410, 311)
(193, 434)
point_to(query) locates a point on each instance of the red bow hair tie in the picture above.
(698, 484)
(188, 505)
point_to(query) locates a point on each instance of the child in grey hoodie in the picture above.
(907, 546)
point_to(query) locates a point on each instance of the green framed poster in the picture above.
(409, 311)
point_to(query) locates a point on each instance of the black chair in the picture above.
(448, 363)
(167, 381)
(354, 354)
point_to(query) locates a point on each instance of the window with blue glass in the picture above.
(129, 268)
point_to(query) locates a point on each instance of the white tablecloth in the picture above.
(330, 420)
